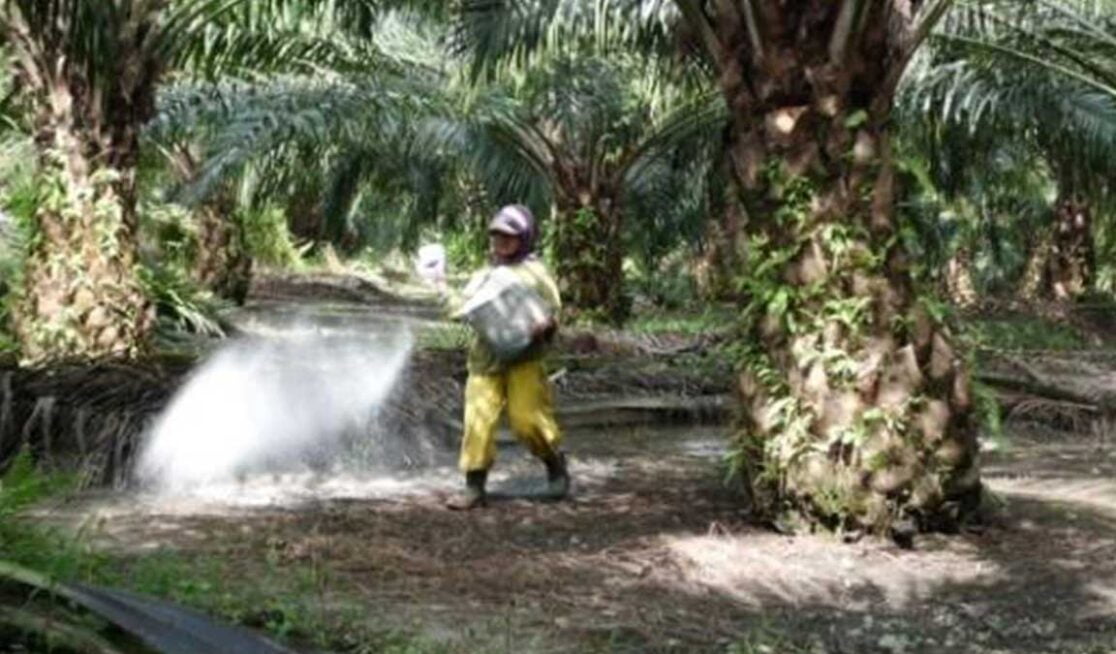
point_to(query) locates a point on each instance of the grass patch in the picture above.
(23, 542)
(1023, 333)
(297, 602)
(688, 323)
(444, 336)
(767, 639)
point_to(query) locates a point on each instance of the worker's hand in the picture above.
(436, 283)
(544, 331)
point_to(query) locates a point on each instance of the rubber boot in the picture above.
(473, 496)
(557, 477)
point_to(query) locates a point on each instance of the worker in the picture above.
(521, 385)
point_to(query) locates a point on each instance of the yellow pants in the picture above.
(525, 390)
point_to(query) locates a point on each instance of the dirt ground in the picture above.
(653, 554)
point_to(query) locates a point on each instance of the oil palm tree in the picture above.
(857, 408)
(584, 130)
(857, 405)
(973, 201)
(320, 136)
(1040, 73)
(249, 41)
(580, 138)
(87, 74)
(618, 133)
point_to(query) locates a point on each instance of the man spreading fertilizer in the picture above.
(513, 306)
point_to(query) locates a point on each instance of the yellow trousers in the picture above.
(525, 390)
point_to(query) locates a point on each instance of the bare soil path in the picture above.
(654, 555)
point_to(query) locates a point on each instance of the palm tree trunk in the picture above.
(1073, 259)
(711, 269)
(305, 215)
(1035, 270)
(89, 80)
(589, 258)
(221, 262)
(722, 251)
(1061, 264)
(856, 406)
(959, 280)
(81, 296)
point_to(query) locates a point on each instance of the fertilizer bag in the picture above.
(504, 311)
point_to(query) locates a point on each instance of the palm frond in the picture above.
(513, 34)
(1040, 71)
(245, 121)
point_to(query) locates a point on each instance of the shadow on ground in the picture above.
(654, 554)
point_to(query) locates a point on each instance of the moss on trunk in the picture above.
(81, 296)
(222, 264)
(589, 258)
(856, 403)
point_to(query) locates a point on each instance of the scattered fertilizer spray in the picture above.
(276, 406)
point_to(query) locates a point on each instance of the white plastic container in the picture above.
(504, 311)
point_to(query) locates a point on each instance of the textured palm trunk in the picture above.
(722, 253)
(81, 296)
(1034, 271)
(1061, 264)
(713, 268)
(305, 215)
(589, 257)
(959, 284)
(856, 405)
(221, 261)
(1072, 258)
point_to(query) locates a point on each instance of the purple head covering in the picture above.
(516, 220)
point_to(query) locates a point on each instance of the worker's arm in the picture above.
(453, 301)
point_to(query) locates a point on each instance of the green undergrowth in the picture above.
(268, 238)
(293, 602)
(769, 639)
(688, 323)
(1023, 333)
(443, 336)
(21, 541)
